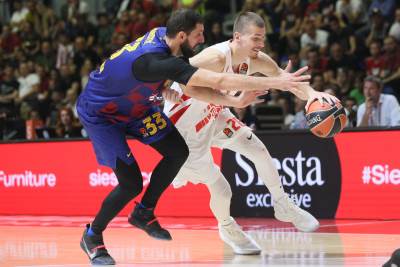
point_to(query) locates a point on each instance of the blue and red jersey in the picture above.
(113, 93)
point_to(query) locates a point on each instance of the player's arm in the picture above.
(213, 60)
(210, 95)
(154, 67)
(267, 66)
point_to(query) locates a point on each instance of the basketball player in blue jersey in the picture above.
(122, 98)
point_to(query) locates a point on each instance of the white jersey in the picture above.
(195, 114)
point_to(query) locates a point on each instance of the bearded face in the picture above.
(186, 50)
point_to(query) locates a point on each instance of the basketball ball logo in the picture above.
(326, 120)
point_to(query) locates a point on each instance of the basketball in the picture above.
(326, 120)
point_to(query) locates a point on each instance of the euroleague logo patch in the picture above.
(243, 68)
(228, 132)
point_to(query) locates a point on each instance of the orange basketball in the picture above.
(326, 120)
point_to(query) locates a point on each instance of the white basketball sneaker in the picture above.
(241, 243)
(287, 211)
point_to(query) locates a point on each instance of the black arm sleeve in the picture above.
(155, 67)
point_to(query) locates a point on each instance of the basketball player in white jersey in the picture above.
(205, 125)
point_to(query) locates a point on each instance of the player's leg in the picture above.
(174, 151)
(129, 186)
(200, 168)
(242, 140)
(111, 150)
(229, 231)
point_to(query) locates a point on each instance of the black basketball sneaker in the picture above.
(394, 261)
(144, 219)
(94, 247)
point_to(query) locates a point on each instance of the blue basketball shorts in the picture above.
(109, 139)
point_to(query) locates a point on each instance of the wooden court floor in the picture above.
(54, 241)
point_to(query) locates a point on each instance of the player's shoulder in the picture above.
(211, 52)
(209, 58)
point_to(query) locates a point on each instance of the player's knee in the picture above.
(129, 178)
(132, 187)
(221, 189)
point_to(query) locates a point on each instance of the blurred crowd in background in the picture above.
(48, 48)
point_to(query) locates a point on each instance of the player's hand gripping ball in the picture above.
(326, 120)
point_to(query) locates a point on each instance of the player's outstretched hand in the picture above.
(287, 81)
(295, 90)
(320, 96)
(171, 95)
(247, 98)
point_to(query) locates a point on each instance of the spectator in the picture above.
(343, 82)
(338, 60)
(126, 22)
(104, 30)
(350, 106)
(71, 97)
(67, 126)
(18, 16)
(65, 50)
(83, 51)
(72, 8)
(81, 27)
(395, 28)
(299, 121)
(56, 97)
(46, 56)
(352, 12)
(315, 62)
(386, 7)
(67, 77)
(290, 27)
(378, 109)
(48, 20)
(374, 63)
(31, 40)
(85, 72)
(357, 91)
(9, 40)
(28, 83)
(317, 82)
(288, 117)
(391, 65)
(34, 16)
(216, 35)
(140, 26)
(341, 35)
(8, 90)
(376, 29)
(313, 37)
